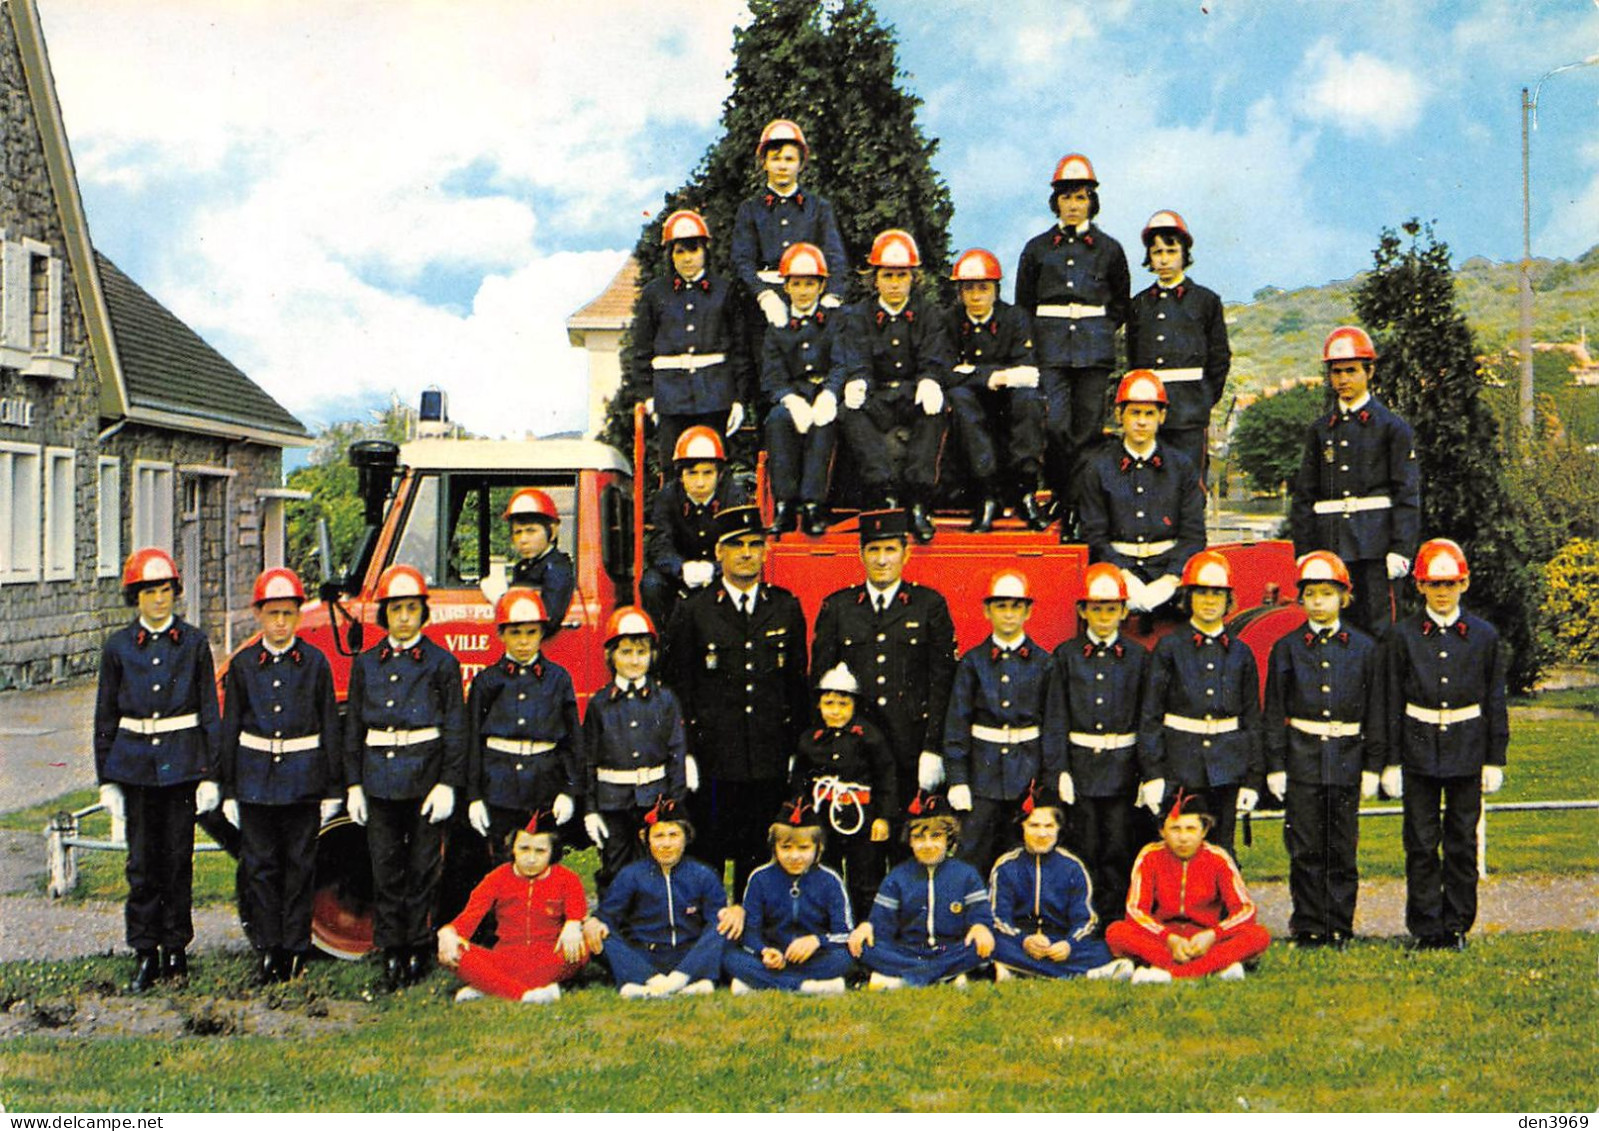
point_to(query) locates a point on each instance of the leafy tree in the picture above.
(1428, 373)
(1269, 440)
(335, 496)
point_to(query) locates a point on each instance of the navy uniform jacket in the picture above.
(855, 753)
(928, 908)
(741, 680)
(154, 676)
(682, 530)
(650, 907)
(1104, 691)
(553, 575)
(416, 688)
(1003, 341)
(527, 703)
(1122, 498)
(1371, 453)
(675, 317)
(289, 695)
(803, 357)
(892, 352)
(637, 729)
(1215, 677)
(1058, 268)
(904, 660)
(1446, 669)
(1049, 894)
(1181, 327)
(999, 688)
(767, 225)
(1322, 680)
(779, 908)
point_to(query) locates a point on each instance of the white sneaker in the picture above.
(1150, 975)
(467, 993)
(543, 995)
(1233, 973)
(740, 988)
(703, 986)
(820, 986)
(1003, 973)
(884, 982)
(959, 981)
(1116, 970)
(633, 990)
(660, 985)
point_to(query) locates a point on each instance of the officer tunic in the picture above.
(637, 732)
(1126, 501)
(801, 358)
(1004, 340)
(779, 908)
(1181, 333)
(920, 919)
(554, 576)
(1048, 894)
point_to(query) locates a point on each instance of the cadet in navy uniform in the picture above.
(1006, 727)
(540, 564)
(735, 655)
(1325, 745)
(1102, 674)
(405, 759)
(1074, 283)
(282, 773)
(1141, 504)
(802, 378)
(1200, 730)
(899, 637)
(1358, 491)
(633, 740)
(1176, 328)
(1448, 731)
(156, 731)
(689, 340)
(524, 745)
(896, 368)
(995, 395)
(680, 541)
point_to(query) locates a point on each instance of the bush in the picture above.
(1570, 612)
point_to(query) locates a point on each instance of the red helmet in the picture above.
(684, 225)
(803, 259)
(1323, 565)
(629, 620)
(147, 565)
(1103, 582)
(698, 443)
(1348, 343)
(530, 502)
(520, 606)
(1167, 222)
(1141, 386)
(1208, 570)
(894, 248)
(778, 131)
(1074, 167)
(1009, 585)
(278, 584)
(1439, 559)
(401, 581)
(978, 265)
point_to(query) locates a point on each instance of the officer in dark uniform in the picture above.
(899, 639)
(735, 656)
(680, 540)
(282, 773)
(540, 563)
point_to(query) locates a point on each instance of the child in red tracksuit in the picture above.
(539, 908)
(1188, 913)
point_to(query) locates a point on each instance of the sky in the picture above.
(356, 198)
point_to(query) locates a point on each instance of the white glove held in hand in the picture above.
(960, 797)
(1022, 377)
(1278, 784)
(595, 826)
(207, 796)
(1368, 783)
(735, 418)
(929, 770)
(1137, 592)
(355, 803)
(1067, 788)
(115, 804)
(439, 804)
(1161, 590)
(773, 306)
(649, 410)
(230, 812)
(1151, 793)
(563, 807)
(1398, 566)
(477, 815)
(854, 393)
(329, 809)
(696, 575)
(691, 774)
(799, 411)
(832, 302)
(1247, 800)
(1493, 778)
(1393, 781)
(930, 396)
(824, 410)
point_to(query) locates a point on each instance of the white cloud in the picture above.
(1357, 92)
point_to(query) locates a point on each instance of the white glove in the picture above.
(1247, 800)
(230, 811)
(824, 410)
(854, 393)
(477, 815)
(563, 807)
(691, 774)
(1393, 781)
(1151, 793)
(999, 379)
(1493, 778)
(1022, 376)
(329, 809)
(930, 396)
(1278, 784)
(115, 804)
(799, 411)
(1067, 788)
(1368, 783)
(595, 826)
(649, 409)
(963, 369)
(832, 302)
(735, 418)
(960, 797)
(1137, 592)
(773, 306)
(355, 803)
(697, 574)
(438, 804)
(1161, 590)
(929, 770)
(1398, 566)
(207, 796)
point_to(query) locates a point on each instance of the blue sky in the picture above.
(353, 198)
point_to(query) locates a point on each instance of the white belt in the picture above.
(770, 278)
(1444, 717)
(160, 726)
(1004, 735)
(1167, 376)
(688, 361)
(1102, 742)
(1144, 549)
(631, 777)
(1330, 729)
(517, 745)
(1069, 310)
(279, 745)
(1350, 506)
(393, 737)
(1201, 726)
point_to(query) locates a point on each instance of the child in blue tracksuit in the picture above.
(796, 915)
(931, 921)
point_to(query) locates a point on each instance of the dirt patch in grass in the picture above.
(107, 1016)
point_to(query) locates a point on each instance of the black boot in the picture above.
(174, 963)
(983, 515)
(393, 968)
(145, 971)
(812, 520)
(416, 965)
(922, 523)
(783, 516)
(266, 967)
(298, 960)
(1036, 517)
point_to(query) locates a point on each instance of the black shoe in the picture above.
(1036, 517)
(1434, 942)
(984, 515)
(783, 519)
(890, 503)
(145, 972)
(393, 969)
(174, 963)
(1068, 524)
(416, 965)
(812, 520)
(922, 523)
(266, 968)
(1339, 940)
(1304, 940)
(1455, 941)
(298, 960)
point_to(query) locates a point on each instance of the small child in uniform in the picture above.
(680, 540)
(535, 527)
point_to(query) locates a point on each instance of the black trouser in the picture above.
(860, 860)
(407, 861)
(987, 831)
(1441, 897)
(277, 859)
(621, 847)
(1321, 827)
(160, 871)
(866, 435)
(1191, 442)
(1100, 831)
(1000, 428)
(797, 465)
(1371, 605)
(731, 819)
(1074, 420)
